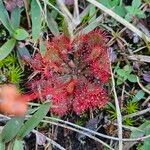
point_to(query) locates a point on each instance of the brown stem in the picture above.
(26, 3)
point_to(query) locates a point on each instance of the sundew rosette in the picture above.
(72, 74)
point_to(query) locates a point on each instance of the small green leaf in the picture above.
(65, 28)
(18, 145)
(15, 17)
(141, 130)
(52, 24)
(4, 17)
(120, 81)
(120, 11)
(128, 17)
(130, 9)
(140, 14)
(132, 78)
(105, 3)
(128, 69)
(91, 26)
(11, 129)
(114, 2)
(92, 14)
(145, 130)
(2, 144)
(36, 20)
(33, 121)
(121, 72)
(146, 145)
(20, 34)
(136, 3)
(139, 95)
(7, 48)
(42, 46)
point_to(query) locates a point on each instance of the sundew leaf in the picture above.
(6, 48)
(11, 129)
(4, 18)
(20, 34)
(36, 20)
(33, 121)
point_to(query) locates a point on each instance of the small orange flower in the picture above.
(11, 101)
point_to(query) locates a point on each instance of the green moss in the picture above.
(131, 107)
(128, 121)
(14, 74)
(10, 69)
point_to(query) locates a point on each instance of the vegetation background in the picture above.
(25, 28)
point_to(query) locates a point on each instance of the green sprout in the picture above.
(14, 74)
(125, 74)
(134, 10)
(131, 107)
(128, 122)
(112, 111)
(8, 61)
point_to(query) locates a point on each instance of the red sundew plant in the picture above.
(72, 73)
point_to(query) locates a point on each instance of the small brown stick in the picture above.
(122, 96)
(26, 3)
(142, 112)
(119, 116)
(146, 101)
(142, 87)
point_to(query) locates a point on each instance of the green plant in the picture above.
(15, 129)
(12, 25)
(147, 1)
(138, 96)
(8, 61)
(116, 5)
(134, 11)
(10, 70)
(125, 74)
(131, 107)
(14, 74)
(112, 111)
(128, 121)
(142, 130)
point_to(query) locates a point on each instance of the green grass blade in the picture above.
(15, 17)
(11, 129)
(52, 24)
(18, 145)
(33, 121)
(4, 18)
(36, 20)
(6, 48)
(2, 144)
